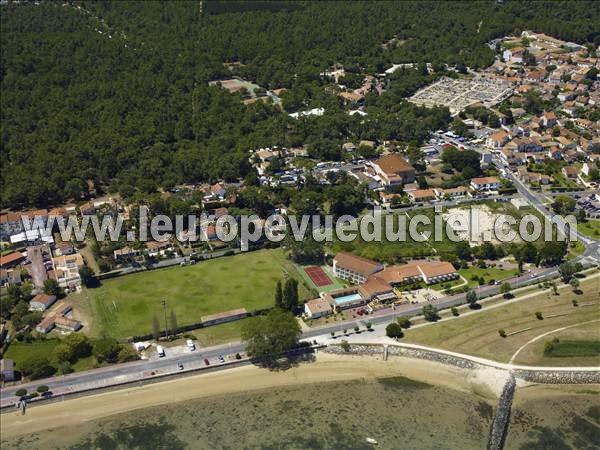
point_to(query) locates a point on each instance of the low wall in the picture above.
(534, 375)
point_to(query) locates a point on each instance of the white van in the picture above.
(160, 351)
(191, 345)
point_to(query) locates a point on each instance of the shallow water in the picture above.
(397, 412)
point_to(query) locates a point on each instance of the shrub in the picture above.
(394, 330)
(455, 312)
(502, 333)
(21, 392)
(368, 326)
(345, 346)
(356, 329)
(575, 303)
(238, 356)
(333, 334)
(404, 322)
(42, 388)
(539, 315)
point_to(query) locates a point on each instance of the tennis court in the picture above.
(318, 276)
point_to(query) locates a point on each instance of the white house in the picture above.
(485, 184)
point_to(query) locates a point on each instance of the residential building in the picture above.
(354, 268)
(485, 184)
(7, 369)
(316, 308)
(41, 302)
(569, 172)
(420, 270)
(422, 195)
(10, 277)
(11, 259)
(66, 269)
(394, 170)
(497, 139)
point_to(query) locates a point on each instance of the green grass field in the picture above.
(566, 349)
(591, 228)
(391, 251)
(488, 274)
(125, 306)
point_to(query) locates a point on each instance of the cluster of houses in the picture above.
(563, 73)
(373, 283)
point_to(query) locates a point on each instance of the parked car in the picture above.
(180, 366)
(206, 362)
(221, 359)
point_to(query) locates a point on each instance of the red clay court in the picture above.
(318, 276)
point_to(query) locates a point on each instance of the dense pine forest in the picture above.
(117, 92)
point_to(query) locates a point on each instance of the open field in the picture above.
(391, 251)
(125, 306)
(477, 334)
(333, 402)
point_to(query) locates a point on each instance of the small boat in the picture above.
(370, 440)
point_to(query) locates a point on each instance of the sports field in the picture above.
(126, 306)
(317, 276)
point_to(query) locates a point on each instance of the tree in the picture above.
(394, 330)
(21, 392)
(430, 313)
(51, 287)
(552, 252)
(267, 337)
(472, 299)
(463, 251)
(106, 349)
(404, 322)
(455, 312)
(574, 284)
(502, 333)
(539, 315)
(566, 271)
(290, 294)
(173, 322)
(505, 289)
(87, 276)
(345, 346)
(126, 354)
(36, 366)
(279, 295)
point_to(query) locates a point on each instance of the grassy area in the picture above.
(392, 251)
(565, 349)
(219, 334)
(488, 274)
(125, 306)
(534, 352)
(477, 334)
(590, 228)
(17, 351)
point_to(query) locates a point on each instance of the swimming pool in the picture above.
(347, 299)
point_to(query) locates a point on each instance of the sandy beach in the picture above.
(326, 368)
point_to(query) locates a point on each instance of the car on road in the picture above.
(190, 344)
(160, 351)
(221, 359)
(206, 362)
(180, 366)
